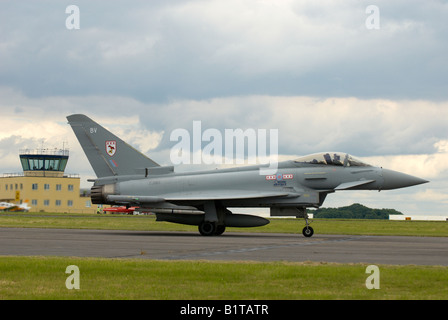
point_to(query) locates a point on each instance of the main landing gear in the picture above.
(207, 228)
(213, 224)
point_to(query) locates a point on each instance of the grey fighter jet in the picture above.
(202, 198)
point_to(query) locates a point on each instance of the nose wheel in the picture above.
(307, 231)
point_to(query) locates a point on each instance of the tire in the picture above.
(308, 231)
(220, 229)
(207, 228)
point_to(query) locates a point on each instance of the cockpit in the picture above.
(332, 159)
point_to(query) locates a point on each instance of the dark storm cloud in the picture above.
(157, 51)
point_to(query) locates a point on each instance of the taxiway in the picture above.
(230, 246)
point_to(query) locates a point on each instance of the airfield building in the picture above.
(43, 185)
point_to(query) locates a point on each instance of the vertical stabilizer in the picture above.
(108, 155)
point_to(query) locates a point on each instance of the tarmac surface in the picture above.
(395, 250)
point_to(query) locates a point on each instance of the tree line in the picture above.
(355, 211)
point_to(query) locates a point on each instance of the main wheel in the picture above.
(220, 230)
(307, 231)
(207, 228)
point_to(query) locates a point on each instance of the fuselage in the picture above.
(303, 184)
(300, 183)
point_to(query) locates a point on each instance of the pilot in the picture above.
(328, 158)
(337, 159)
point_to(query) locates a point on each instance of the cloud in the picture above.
(407, 136)
(204, 49)
(363, 127)
(310, 69)
(9, 152)
(429, 195)
(430, 166)
(390, 130)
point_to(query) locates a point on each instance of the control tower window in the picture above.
(25, 164)
(43, 162)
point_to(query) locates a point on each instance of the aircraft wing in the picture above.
(223, 195)
(197, 196)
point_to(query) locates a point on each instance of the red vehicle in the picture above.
(122, 209)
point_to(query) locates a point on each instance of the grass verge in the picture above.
(45, 277)
(277, 225)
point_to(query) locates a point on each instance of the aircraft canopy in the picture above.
(332, 159)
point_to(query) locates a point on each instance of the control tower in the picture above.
(44, 162)
(43, 186)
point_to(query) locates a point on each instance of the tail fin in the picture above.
(108, 155)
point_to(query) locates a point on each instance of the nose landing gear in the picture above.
(307, 230)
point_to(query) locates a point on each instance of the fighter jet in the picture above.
(129, 178)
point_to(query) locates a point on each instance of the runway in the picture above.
(394, 250)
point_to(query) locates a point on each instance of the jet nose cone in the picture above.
(395, 180)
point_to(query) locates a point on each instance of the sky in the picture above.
(328, 75)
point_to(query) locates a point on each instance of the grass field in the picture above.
(44, 277)
(280, 225)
